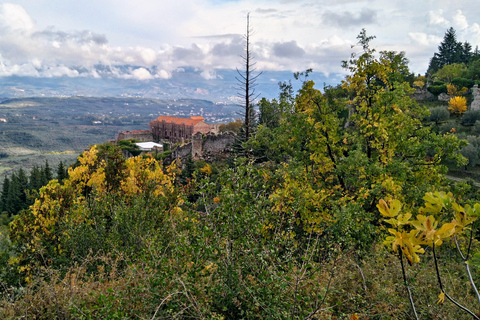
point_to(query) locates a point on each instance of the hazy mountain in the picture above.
(185, 83)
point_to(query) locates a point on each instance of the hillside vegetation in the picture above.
(335, 207)
(59, 129)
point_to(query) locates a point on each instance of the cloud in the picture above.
(79, 37)
(266, 11)
(349, 19)
(14, 18)
(234, 47)
(288, 50)
(436, 18)
(460, 20)
(141, 74)
(424, 39)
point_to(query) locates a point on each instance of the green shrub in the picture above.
(463, 82)
(470, 117)
(436, 90)
(438, 115)
(449, 126)
(476, 128)
(438, 83)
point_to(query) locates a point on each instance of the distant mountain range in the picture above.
(185, 83)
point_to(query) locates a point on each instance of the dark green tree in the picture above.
(47, 172)
(449, 51)
(62, 172)
(4, 194)
(23, 187)
(35, 179)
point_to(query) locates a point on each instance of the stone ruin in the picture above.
(476, 98)
(207, 147)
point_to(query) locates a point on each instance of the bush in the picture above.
(470, 117)
(462, 82)
(436, 90)
(476, 128)
(449, 126)
(457, 105)
(438, 83)
(438, 115)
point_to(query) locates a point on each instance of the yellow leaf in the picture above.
(441, 298)
(391, 209)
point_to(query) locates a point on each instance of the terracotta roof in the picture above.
(187, 121)
(140, 131)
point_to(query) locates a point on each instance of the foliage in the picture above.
(438, 115)
(453, 90)
(450, 71)
(450, 51)
(463, 82)
(130, 146)
(289, 233)
(470, 117)
(440, 219)
(233, 126)
(450, 126)
(457, 105)
(18, 190)
(473, 71)
(43, 231)
(436, 90)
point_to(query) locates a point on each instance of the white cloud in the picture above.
(460, 20)
(148, 39)
(437, 18)
(14, 18)
(141, 74)
(423, 38)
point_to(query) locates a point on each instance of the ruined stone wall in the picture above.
(206, 147)
(182, 152)
(141, 135)
(197, 146)
(213, 143)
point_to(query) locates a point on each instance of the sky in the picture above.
(148, 39)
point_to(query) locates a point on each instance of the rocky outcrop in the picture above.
(476, 98)
(421, 94)
(444, 97)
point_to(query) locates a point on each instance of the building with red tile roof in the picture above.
(177, 129)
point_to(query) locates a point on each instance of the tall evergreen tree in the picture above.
(22, 181)
(48, 172)
(62, 172)
(450, 51)
(35, 179)
(4, 194)
(13, 203)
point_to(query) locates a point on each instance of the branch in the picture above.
(443, 290)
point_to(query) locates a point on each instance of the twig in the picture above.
(400, 255)
(363, 277)
(465, 258)
(158, 308)
(443, 290)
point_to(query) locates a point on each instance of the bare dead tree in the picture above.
(247, 80)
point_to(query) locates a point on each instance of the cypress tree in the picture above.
(35, 179)
(62, 172)
(4, 195)
(22, 189)
(13, 203)
(48, 172)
